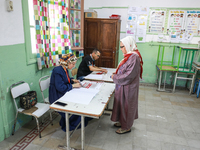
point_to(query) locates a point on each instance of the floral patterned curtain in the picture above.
(52, 31)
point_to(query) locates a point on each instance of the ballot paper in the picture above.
(82, 95)
(91, 85)
(98, 75)
(94, 76)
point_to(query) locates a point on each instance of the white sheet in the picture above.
(94, 76)
(82, 95)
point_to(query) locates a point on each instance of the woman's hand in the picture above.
(76, 85)
(112, 76)
(75, 81)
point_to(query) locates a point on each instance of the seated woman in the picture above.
(61, 83)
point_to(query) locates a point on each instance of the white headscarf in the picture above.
(129, 43)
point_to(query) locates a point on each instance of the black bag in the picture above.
(28, 100)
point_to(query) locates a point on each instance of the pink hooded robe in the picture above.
(125, 107)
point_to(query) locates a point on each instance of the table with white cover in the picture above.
(101, 77)
(94, 109)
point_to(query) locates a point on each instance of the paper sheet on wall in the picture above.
(140, 38)
(174, 37)
(192, 23)
(176, 21)
(161, 37)
(131, 25)
(157, 21)
(137, 23)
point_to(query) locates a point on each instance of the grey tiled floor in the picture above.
(167, 121)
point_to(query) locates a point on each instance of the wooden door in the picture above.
(108, 34)
(104, 35)
(91, 35)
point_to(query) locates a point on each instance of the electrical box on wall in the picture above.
(9, 5)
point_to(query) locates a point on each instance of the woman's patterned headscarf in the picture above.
(66, 59)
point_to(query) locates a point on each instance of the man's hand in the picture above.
(104, 70)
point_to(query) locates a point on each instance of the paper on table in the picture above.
(79, 95)
(91, 85)
(94, 76)
(84, 94)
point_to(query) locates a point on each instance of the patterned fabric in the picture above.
(69, 58)
(52, 31)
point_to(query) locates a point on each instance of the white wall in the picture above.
(147, 3)
(106, 12)
(11, 24)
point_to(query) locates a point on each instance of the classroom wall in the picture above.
(106, 8)
(14, 68)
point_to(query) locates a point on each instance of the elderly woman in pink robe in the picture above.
(126, 78)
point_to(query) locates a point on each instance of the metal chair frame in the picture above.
(20, 88)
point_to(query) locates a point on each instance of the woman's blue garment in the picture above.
(59, 85)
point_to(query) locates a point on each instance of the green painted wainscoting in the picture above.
(14, 68)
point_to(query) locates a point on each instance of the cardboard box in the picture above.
(91, 14)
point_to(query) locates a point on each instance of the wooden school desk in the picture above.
(105, 77)
(94, 110)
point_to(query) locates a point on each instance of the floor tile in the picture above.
(167, 121)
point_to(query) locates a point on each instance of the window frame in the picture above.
(81, 47)
(31, 58)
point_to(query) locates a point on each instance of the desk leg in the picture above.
(82, 132)
(67, 131)
(193, 80)
(192, 84)
(175, 82)
(165, 80)
(160, 80)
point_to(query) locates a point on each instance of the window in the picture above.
(57, 26)
(29, 31)
(76, 18)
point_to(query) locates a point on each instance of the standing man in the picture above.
(88, 65)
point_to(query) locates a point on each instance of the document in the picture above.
(94, 76)
(82, 95)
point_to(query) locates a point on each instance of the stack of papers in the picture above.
(82, 95)
(91, 85)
